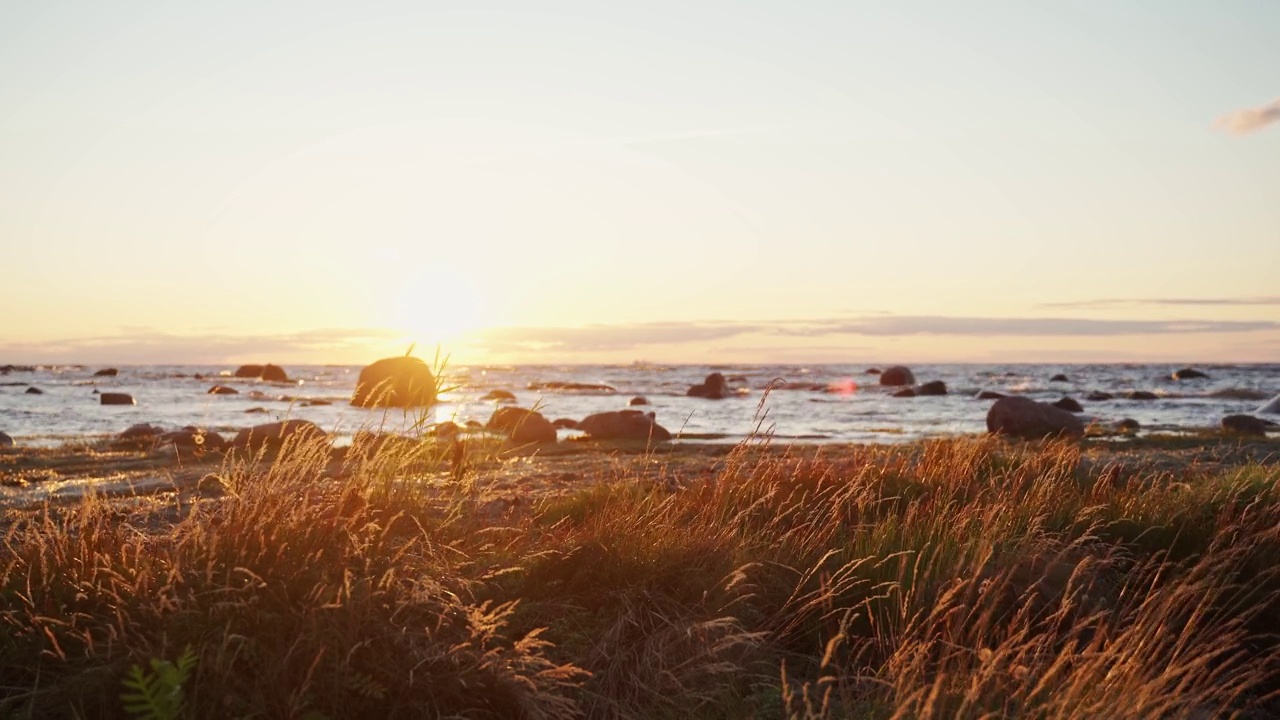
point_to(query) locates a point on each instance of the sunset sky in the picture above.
(668, 181)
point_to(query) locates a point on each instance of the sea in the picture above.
(828, 403)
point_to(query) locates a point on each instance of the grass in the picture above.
(966, 578)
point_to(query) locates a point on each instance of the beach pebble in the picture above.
(896, 376)
(6, 440)
(624, 425)
(1247, 425)
(522, 426)
(395, 382)
(107, 372)
(1028, 419)
(1188, 374)
(116, 399)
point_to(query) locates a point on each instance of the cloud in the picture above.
(1123, 302)
(1250, 120)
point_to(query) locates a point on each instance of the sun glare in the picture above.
(441, 307)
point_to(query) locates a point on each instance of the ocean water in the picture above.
(795, 403)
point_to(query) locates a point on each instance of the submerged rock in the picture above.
(222, 390)
(897, 376)
(395, 382)
(714, 387)
(905, 393)
(1188, 374)
(116, 399)
(1099, 396)
(638, 400)
(932, 388)
(499, 396)
(1068, 404)
(990, 395)
(1059, 378)
(572, 387)
(33, 390)
(624, 425)
(1025, 418)
(522, 426)
(1141, 395)
(107, 372)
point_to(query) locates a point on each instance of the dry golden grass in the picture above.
(962, 578)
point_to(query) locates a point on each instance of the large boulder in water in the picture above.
(1272, 406)
(116, 399)
(1188, 374)
(522, 426)
(274, 373)
(933, 387)
(249, 371)
(395, 382)
(107, 372)
(624, 425)
(713, 387)
(1025, 418)
(897, 376)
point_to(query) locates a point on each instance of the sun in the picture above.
(439, 307)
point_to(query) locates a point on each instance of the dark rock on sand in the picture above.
(566, 423)
(990, 395)
(395, 382)
(933, 387)
(222, 390)
(624, 425)
(107, 372)
(897, 376)
(273, 436)
(1141, 395)
(905, 393)
(713, 387)
(522, 426)
(1128, 425)
(1025, 418)
(5, 440)
(34, 391)
(1099, 396)
(1247, 425)
(1059, 378)
(274, 373)
(638, 400)
(116, 399)
(1188, 374)
(1068, 404)
(499, 396)
(249, 371)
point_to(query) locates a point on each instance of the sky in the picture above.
(924, 180)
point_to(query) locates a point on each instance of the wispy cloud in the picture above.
(1250, 120)
(1133, 302)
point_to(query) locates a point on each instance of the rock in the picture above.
(1247, 425)
(193, 440)
(222, 390)
(274, 373)
(446, 429)
(933, 387)
(34, 391)
(272, 436)
(896, 376)
(713, 387)
(990, 395)
(1141, 395)
(1128, 425)
(1272, 406)
(249, 371)
(566, 423)
(872, 371)
(1188, 374)
(256, 410)
(1098, 396)
(316, 403)
(638, 400)
(1059, 378)
(141, 431)
(1025, 418)
(522, 426)
(395, 382)
(116, 399)
(107, 372)
(905, 393)
(5, 440)
(624, 425)
(499, 396)
(1068, 404)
